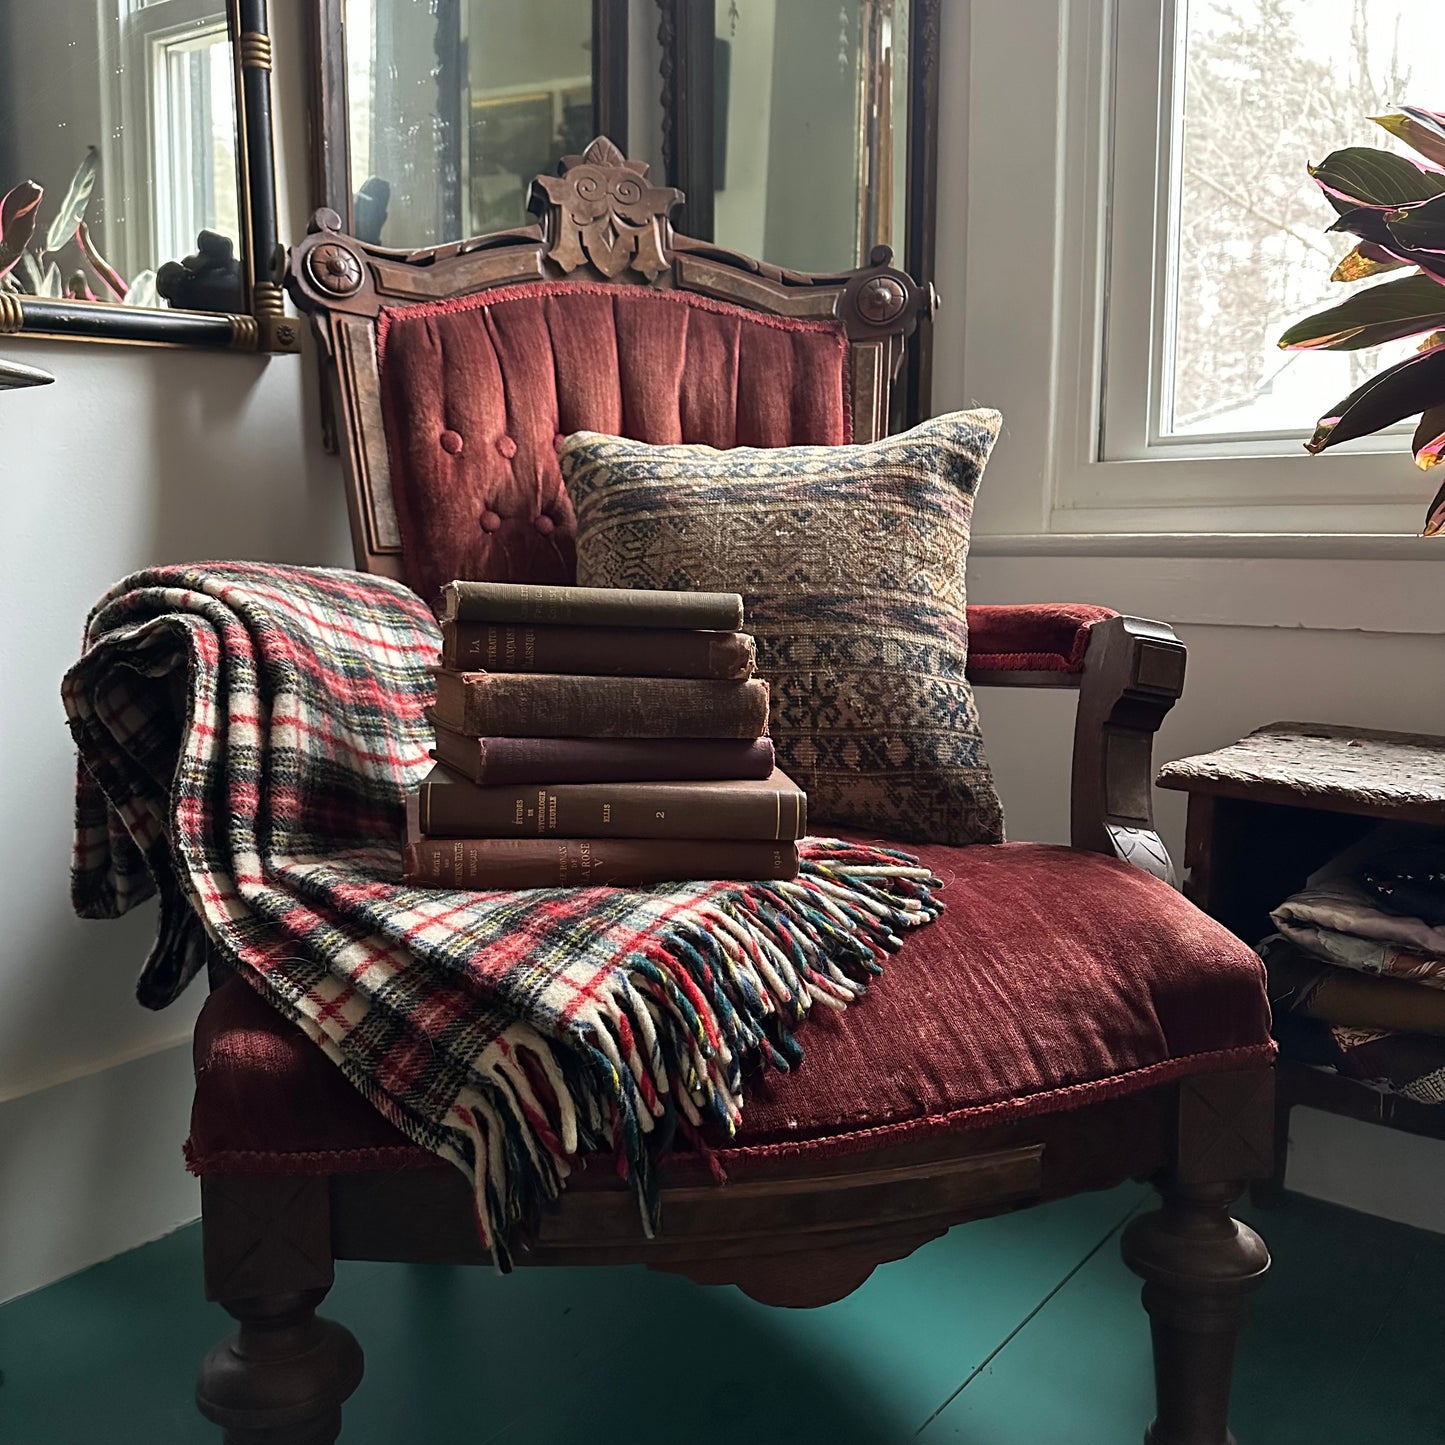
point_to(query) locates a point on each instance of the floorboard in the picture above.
(1024, 1330)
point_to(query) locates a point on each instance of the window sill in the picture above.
(1323, 546)
(1381, 584)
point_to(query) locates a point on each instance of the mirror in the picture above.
(437, 114)
(131, 208)
(804, 133)
(811, 107)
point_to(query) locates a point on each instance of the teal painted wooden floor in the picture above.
(1024, 1330)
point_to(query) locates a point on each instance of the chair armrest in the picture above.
(1035, 646)
(1133, 673)
(1128, 673)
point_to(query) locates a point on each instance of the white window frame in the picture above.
(1067, 201)
(135, 115)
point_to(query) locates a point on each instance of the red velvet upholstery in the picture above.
(478, 393)
(1053, 979)
(1045, 637)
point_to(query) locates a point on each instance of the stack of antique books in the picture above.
(591, 736)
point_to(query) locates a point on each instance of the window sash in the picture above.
(142, 143)
(1102, 463)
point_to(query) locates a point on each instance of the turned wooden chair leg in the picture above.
(281, 1378)
(1198, 1267)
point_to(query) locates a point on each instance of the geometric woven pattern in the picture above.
(248, 735)
(851, 563)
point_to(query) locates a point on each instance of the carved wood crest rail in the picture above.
(600, 220)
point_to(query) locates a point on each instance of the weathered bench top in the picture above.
(1325, 766)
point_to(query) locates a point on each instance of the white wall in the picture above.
(134, 456)
(1274, 633)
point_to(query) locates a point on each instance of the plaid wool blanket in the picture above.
(247, 736)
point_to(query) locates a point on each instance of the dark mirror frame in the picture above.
(685, 34)
(264, 326)
(330, 148)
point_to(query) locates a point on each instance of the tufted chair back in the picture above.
(455, 372)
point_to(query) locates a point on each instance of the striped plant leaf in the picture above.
(1422, 130)
(1368, 176)
(17, 222)
(77, 198)
(1408, 307)
(1367, 259)
(1406, 389)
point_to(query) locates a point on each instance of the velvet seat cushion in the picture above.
(1053, 979)
(478, 392)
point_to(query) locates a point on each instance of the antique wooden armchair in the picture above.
(1129, 1038)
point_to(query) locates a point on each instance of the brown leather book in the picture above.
(590, 606)
(450, 807)
(596, 651)
(559, 705)
(493, 863)
(495, 761)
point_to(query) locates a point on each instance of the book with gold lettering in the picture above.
(771, 808)
(484, 864)
(596, 651)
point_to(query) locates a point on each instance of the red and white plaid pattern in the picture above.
(248, 734)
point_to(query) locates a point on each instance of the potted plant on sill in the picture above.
(1395, 206)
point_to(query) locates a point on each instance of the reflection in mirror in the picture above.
(810, 143)
(454, 105)
(118, 154)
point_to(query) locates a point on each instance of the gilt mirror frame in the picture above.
(685, 35)
(331, 181)
(262, 325)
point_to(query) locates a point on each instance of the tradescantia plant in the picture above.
(23, 257)
(1395, 206)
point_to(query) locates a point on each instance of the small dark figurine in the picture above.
(368, 209)
(208, 281)
(1410, 881)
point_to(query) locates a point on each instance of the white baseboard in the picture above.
(92, 1167)
(1362, 1166)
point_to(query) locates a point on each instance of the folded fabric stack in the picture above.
(1357, 969)
(599, 736)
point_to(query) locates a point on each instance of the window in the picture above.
(172, 126)
(1248, 92)
(193, 143)
(1171, 234)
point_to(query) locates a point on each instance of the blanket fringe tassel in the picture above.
(668, 1049)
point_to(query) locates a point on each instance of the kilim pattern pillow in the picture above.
(850, 560)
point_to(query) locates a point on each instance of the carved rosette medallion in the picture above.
(604, 211)
(335, 269)
(880, 299)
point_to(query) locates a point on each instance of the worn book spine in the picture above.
(590, 606)
(596, 651)
(496, 761)
(773, 809)
(552, 705)
(494, 863)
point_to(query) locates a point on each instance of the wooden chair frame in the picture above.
(814, 1231)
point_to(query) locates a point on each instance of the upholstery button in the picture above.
(507, 447)
(490, 521)
(545, 524)
(451, 442)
